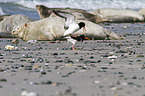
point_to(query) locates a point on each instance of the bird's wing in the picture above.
(69, 18)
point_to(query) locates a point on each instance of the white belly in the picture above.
(69, 39)
(72, 29)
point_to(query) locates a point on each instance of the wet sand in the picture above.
(95, 68)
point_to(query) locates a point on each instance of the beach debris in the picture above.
(32, 41)
(10, 47)
(97, 82)
(112, 57)
(125, 26)
(27, 93)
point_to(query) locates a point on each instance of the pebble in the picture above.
(27, 67)
(43, 73)
(112, 57)
(89, 61)
(139, 56)
(1, 70)
(97, 82)
(55, 54)
(104, 67)
(26, 93)
(46, 82)
(3, 80)
(102, 70)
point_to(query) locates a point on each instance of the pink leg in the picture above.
(73, 47)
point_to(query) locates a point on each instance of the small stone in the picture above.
(33, 83)
(110, 63)
(46, 82)
(92, 57)
(104, 67)
(1, 70)
(125, 26)
(98, 61)
(119, 73)
(138, 60)
(58, 61)
(55, 54)
(1, 57)
(26, 93)
(130, 83)
(139, 56)
(36, 66)
(120, 51)
(28, 68)
(62, 53)
(3, 80)
(134, 77)
(97, 82)
(112, 57)
(43, 73)
(48, 70)
(68, 91)
(101, 70)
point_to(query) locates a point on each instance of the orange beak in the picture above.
(87, 38)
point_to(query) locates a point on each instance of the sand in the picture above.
(95, 68)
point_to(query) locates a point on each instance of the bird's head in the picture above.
(82, 24)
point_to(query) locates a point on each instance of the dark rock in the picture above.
(3, 80)
(28, 68)
(55, 54)
(134, 77)
(104, 67)
(43, 73)
(92, 57)
(46, 82)
(58, 61)
(1, 70)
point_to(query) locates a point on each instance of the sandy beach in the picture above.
(95, 68)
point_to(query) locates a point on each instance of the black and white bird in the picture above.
(71, 27)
